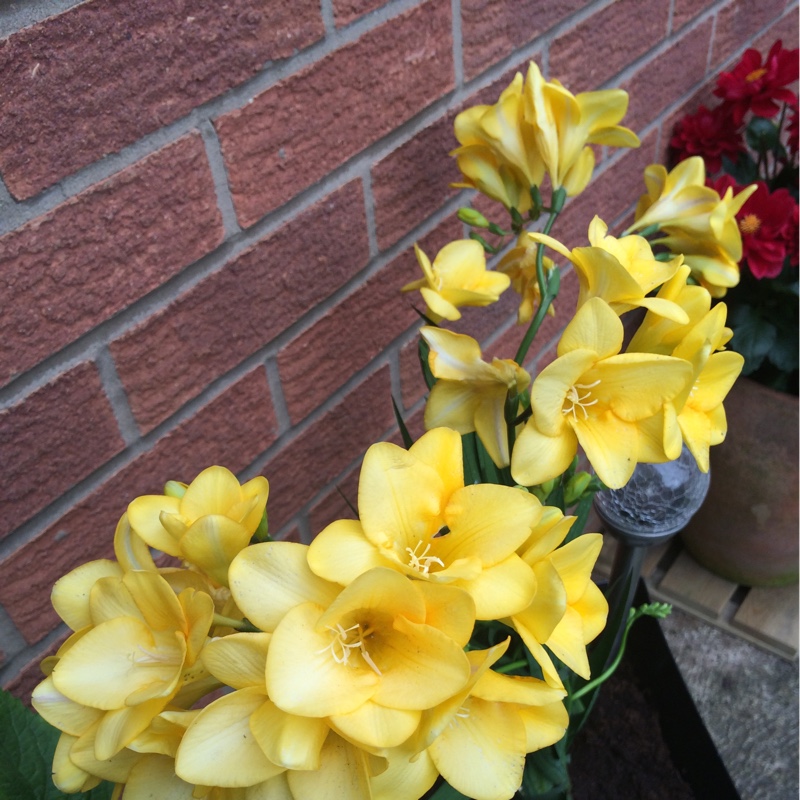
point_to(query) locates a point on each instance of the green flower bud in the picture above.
(576, 486)
(473, 218)
(175, 489)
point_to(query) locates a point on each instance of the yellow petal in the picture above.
(61, 712)
(376, 726)
(341, 552)
(239, 660)
(70, 595)
(538, 458)
(269, 579)
(286, 739)
(144, 515)
(502, 589)
(220, 749)
(213, 491)
(212, 542)
(344, 773)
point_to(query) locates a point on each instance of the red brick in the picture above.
(679, 70)
(492, 30)
(336, 502)
(98, 77)
(412, 182)
(347, 11)
(53, 439)
(329, 447)
(228, 316)
(740, 20)
(295, 133)
(78, 265)
(31, 675)
(685, 11)
(325, 356)
(609, 195)
(231, 431)
(786, 29)
(586, 56)
(412, 384)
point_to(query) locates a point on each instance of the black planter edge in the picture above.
(684, 731)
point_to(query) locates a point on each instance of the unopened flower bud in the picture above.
(175, 489)
(473, 218)
(576, 486)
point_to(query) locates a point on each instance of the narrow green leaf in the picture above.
(407, 440)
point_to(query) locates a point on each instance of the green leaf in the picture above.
(445, 792)
(26, 756)
(754, 337)
(407, 440)
(744, 171)
(423, 351)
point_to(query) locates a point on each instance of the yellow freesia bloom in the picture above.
(469, 394)
(596, 397)
(568, 610)
(458, 277)
(368, 658)
(621, 271)
(519, 264)
(698, 409)
(497, 154)
(696, 222)
(564, 125)
(206, 527)
(417, 517)
(138, 650)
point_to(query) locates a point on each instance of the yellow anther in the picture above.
(422, 562)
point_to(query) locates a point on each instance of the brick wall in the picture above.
(207, 213)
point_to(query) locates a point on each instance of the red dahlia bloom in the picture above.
(710, 134)
(755, 86)
(792, 131)
(768, 223)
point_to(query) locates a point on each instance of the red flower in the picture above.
(753, 86)
(710, 134)
(768, 223)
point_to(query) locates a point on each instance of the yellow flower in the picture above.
(469, 394)
(568, 610)
(593, 395)
(417, 517)
(674, 197)
(136, 651)
(497, 155)
(698, 411)
(623, 272)
(458, 277)
(206, 527)
(564, 125)
(519, 264)
(696, 222)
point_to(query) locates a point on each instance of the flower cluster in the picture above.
(749, 138)
(345, 660)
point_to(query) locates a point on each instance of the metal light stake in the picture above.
(656, 503)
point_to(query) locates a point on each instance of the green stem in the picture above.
(546, 297)
(236, 624)
(612, 668)
(512, 666)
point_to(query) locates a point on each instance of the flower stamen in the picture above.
(578, 400)
(341, 645)
(422, 562)
(749, 224)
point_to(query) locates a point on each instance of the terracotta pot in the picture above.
(747, 529)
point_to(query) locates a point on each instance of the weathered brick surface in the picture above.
(230, 431)
(328, 447)
(686, 10)
(335, 504)
(325, 356)
(679, 69)
(52, 440)
(586, 56)
(347, 11)
(414, 181)
(737, 22)
(609, 195)
(237, 310)
(492, 29)
(69, 270)
(102, 75)
(22, 684)
(296, 132)
(785, 29)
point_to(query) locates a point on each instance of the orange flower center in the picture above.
(756, 74)
(749, 224)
